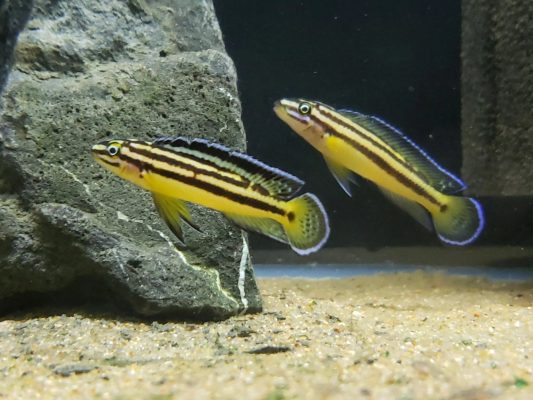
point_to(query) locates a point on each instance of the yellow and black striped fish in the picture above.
(253, 195)
(356, 143)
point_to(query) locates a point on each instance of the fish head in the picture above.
(107, 154)
(113, 155)
(301, 116)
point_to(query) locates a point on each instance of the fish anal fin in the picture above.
(173, 211)
(265, 226)
(341, 174)
(412, 208)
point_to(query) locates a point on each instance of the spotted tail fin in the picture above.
(461, 222)
(307, 225)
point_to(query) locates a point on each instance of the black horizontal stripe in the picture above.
(385, 166)
(175, 163)
(240, 160)
(374, 142)
(247, 183)
(207, 162)
(228, 154)
(208, 187)
(112, 163)
(177, 145)
(375, 158)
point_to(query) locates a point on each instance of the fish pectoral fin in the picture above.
(173, 211)
(265, 226)
(412, 208)
(342, 174)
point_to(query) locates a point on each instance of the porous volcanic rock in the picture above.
(85, 71)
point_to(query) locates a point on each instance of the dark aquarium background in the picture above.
(400, 61)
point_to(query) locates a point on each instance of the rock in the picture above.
(497, 100)
(269, 349)
(92, 70)
(13, 16)
(73, 369)
(241, 331)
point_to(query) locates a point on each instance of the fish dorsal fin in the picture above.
(274, 181)
(265, 226)
(434, 174)
(342, 175)
(173, 211)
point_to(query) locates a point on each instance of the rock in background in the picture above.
(89, 70)
(13, 16)
(497, 96)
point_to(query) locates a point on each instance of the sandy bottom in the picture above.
(401, 336)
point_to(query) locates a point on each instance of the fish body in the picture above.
(354, 143)
(250, 193)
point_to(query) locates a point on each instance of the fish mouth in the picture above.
(280, 110)
(295, 115)
(107, 163)
(101, 156)
(278, 107)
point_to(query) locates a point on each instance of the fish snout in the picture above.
(277, 108)
(99, 148)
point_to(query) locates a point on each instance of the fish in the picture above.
(355, 144)
(250, 193)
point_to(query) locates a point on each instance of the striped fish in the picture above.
(253, 195)
(367, 146)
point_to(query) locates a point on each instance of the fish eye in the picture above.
(304, 108)
(112, 149)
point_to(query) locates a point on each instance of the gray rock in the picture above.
(269, 349)
(88, 70)
(497, 100)
(73, 369)
(13, 16)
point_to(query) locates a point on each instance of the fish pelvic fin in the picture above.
(461, 222)
(342, 175)
(173, 211)
(307, 225)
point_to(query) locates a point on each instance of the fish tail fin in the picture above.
(460, 222)
(307, 225)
